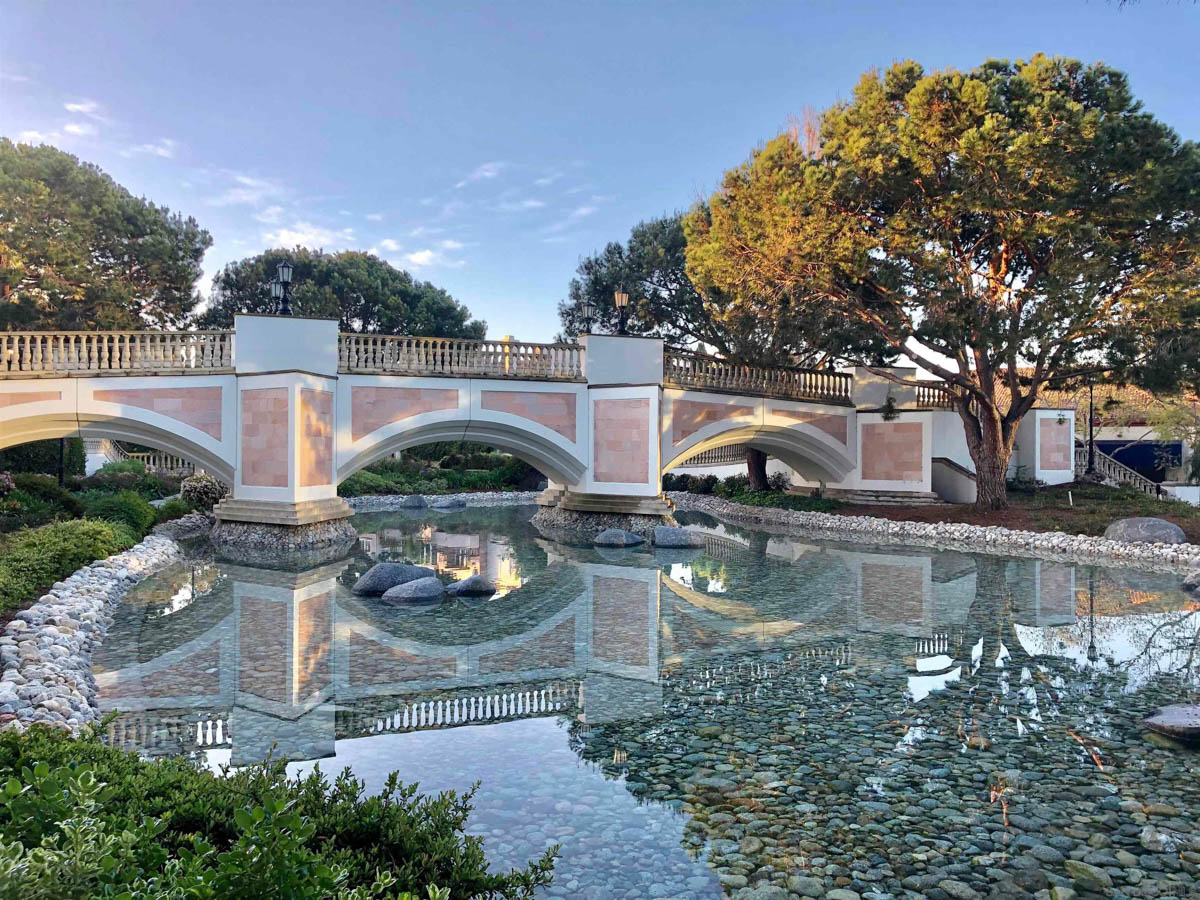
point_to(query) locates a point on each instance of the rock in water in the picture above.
(1145, 530)
(1179, 722)
(421, 589)
(414, 501)
(471, 586)
(617, 537)
(381, 577)
(668, 536)
(449, 503)
(1191, 584)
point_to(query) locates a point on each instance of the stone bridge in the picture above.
(284, 408)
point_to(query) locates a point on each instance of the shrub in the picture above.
(123, 467)
(34, 559)
(364, 483)
(202, 491)
(7, 485)
(126, 507)
(253, 832)
(150, 486)
(172, 509)
(48, 489)
(21, 510)
(41, 457)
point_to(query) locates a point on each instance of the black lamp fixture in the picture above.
(1093, 654)
(281, 288)
(589, 312)
(621, 299)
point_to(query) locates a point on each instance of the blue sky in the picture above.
(488, 147)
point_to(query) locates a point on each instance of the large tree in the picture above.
(652, 267)
(362, 291)
(78, 251)
(1001, 228)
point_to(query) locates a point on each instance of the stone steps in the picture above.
(888, 498)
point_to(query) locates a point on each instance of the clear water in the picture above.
(690, 723)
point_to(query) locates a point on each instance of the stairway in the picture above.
(887, 498)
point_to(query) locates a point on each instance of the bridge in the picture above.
(283, 408)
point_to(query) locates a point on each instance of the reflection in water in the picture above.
(791, 708)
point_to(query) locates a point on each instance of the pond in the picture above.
(768, 715)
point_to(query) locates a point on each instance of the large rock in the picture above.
(668, 536)
(1145, 530)
(471, 586)
(449, 503)
(414, 501)
(1088, 877)
(1181, 722)
(1191, 584)
(617, 537)
(422, 589)
(382, 577)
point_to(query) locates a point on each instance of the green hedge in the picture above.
(32, 560)
(41, 457)
(126, 507)
(166, 828)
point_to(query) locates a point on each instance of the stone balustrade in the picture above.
(934, 396)
(694, 370)
(109, 352)
(403, 355)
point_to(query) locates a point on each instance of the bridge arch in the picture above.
(808, 454)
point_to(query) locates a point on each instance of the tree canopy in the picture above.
(78, 251)
(362, 291)
(1001, 228)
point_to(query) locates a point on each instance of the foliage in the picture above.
(41, 457)
(6, 484)
(403, 477)
(79, 252)
(202, 491)
(34, 559)
(736, 488)
(122, 467)
(150, 486)
(48, 490)
(172, 509)
(362, 291)
(695, 484)
(171, 829)
(1021, 220)
(126, 507)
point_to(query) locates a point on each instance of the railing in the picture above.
(1115, 470)
(693, 370)
(373, 353)
(718, 456)
(934, 395)
(113, 351)
(154, 461)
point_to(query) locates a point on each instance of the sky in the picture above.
(489, 147)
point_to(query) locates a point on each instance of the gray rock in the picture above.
(414, 501)
(617, 537)
(668, 536)
(1145, 530)
(421, 589)
(806, 886)
(471, 586)
(1181, 722)
(1088, 877)
(449, 503)
(1191, 584)
(381, 577)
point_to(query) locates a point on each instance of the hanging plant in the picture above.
(888, 411)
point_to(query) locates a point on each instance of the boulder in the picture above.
(381, 577)
(449, 503)
(1145, 530)
(668, 536)
(617, 537)
(1181, 722)
(414, 501)
(421, 589)
(471, 586)
(1191, 584)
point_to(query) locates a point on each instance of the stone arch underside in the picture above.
(811, 456)
(95, 426)
(555, 462)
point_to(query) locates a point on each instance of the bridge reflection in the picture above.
(254, 661)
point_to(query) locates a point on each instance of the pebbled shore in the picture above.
(46, 650)
(387, 502)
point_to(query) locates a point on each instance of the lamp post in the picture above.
(281, 287)
(621, 299)
(589, 311)
(1092, 653)
(1091, 465)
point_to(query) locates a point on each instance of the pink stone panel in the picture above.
(199, 407)
(14, 398)
(374, 663)
(553, 650)
(621, 625)
(621, 440)
(316, 437)
(265, 437)
(1057, 594)
(554, 410)
(264, 635)
(689, 416)
(314, 644)
(1055, 450)
(374, 407)
(832, 425)
(892, 451)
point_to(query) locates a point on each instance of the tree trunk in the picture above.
(756, 469)
(990, 445)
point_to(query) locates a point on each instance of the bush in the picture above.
(167, 826)
(172, 509)
(7, 485)
(123, 467)
(41, 457)
(152, 487)
(48, 490)
(128, 508)
(34, 559)
(202, 491)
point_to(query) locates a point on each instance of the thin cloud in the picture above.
(547, 180)
(89, 108)
(38, 137)
(389, 245)
(451, 245)
(272, 215)
(430, 257)
(163, 147)
(306, 234)
(79, 128)
(519, 205)
(577, 214)
(374, 217)
(246, 190)
(482, 172)
(423, 230)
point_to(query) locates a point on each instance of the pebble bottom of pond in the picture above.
(767, 716)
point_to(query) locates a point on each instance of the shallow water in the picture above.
(766, 711)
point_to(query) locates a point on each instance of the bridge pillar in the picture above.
(285, 489)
